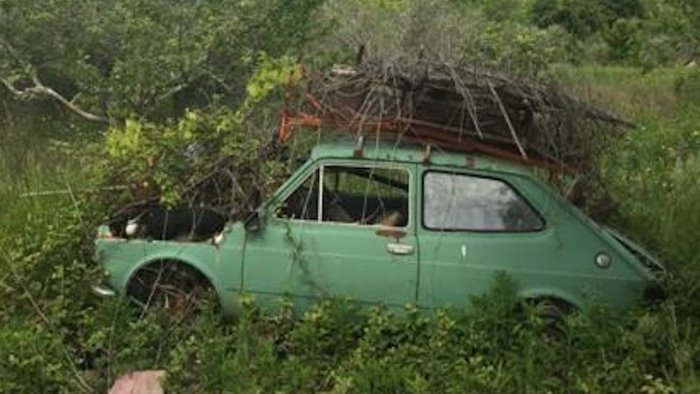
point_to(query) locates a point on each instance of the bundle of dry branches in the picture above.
(518, 119)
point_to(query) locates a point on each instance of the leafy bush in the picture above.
(153, 60)
(460, 31)
(669, 34)
(34, 360)
(687, 86)
(219, 156)
(584, 18)
(337, 348)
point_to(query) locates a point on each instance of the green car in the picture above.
(392, 225)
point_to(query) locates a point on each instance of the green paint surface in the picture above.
(311, 259)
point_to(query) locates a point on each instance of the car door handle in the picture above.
(401, 249)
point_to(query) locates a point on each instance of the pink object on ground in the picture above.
(139, 382)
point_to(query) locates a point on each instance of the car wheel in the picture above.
(170, 286)
(552, 313)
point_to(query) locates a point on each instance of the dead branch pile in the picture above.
(455, 106)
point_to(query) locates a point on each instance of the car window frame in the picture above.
(318, 166)
(512, 187)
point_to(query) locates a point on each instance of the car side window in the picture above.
(302, 204)
(357, 195)
(468, 203)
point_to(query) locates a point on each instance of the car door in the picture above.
(344, 229)
(473, 226)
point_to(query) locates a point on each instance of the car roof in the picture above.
(412, 153)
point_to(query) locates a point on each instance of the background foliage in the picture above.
(169, 78)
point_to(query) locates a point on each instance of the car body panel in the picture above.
(222, 265)
(558, 260)
(306, 260)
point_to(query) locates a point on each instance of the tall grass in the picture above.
(37, 154)
(638, 96)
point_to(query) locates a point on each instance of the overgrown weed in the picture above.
(478, 350)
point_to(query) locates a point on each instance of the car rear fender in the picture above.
(571, 300)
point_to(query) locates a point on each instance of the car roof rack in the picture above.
(412, 134)
(457, 108)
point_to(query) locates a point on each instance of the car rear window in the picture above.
(458, 202)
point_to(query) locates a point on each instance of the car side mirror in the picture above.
(253, 223)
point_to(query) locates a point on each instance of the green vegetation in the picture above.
(652, 171)
(145, 79)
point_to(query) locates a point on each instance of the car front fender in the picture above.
(183, 258)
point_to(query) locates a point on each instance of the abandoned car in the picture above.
(391, 225)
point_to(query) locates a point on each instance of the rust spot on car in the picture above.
(470, 162)
(426, 154)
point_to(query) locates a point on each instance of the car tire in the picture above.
(170, 286)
